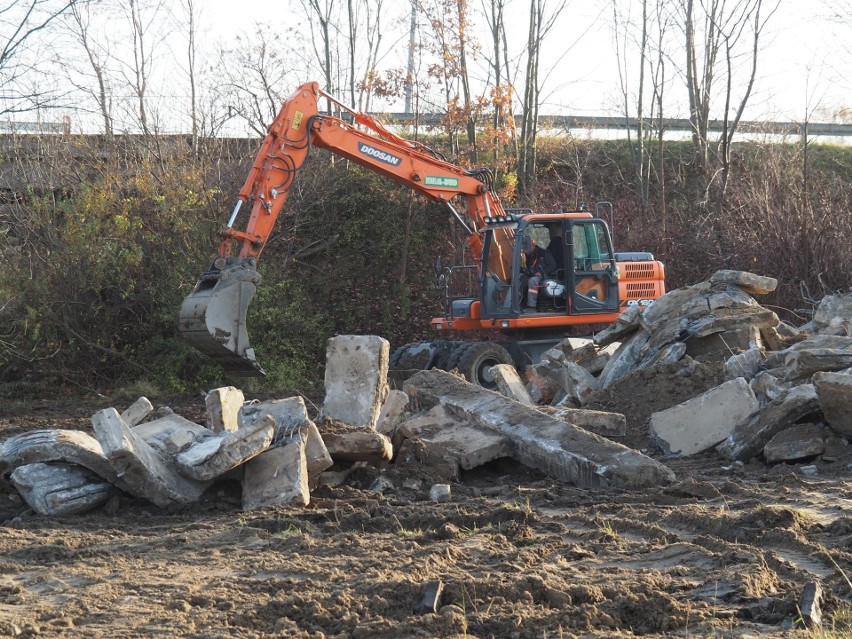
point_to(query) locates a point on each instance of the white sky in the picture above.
(802, 66)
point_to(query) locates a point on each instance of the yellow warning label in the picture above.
(297, 120)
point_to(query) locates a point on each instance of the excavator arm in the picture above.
(213, 316)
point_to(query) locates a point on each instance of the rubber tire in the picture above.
(476, 358)
(403, 359)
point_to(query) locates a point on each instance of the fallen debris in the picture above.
(57, 489)
(719, 370)
(146, 471)
(550, 445)
(223, 406)
(706, 420)
(356, 376)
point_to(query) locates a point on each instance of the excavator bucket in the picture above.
(213, 317)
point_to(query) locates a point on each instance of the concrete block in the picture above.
(278, 476)
(570, 345)
(594, 359)
(767, 387)
(290, 415)
(625, 325)
(358, 446)
(599, 422)
(71, 446)
(392, 412)
(628, 355)
(215, 456)
(704, 421)
(317, 457)
(834, 391)
(749, 438)
(579, 384)
(146, 471)
(749, 282)
(795, 443)
(544, 382)
(553, 446)
(466, 444)
(223, 406)
(668, 354)
(137, 411)
(745, 364)
(801, 364)
(726, 342)
(509, 383)
(58, 489)
(356, 374)
(171, 434)
(834, 315)
(815, 342)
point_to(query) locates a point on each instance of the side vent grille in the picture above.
(638, 271)
(641, 290)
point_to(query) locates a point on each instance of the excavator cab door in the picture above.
(593, 277)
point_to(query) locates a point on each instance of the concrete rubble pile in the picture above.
(786, 396)
(787, 391)
(279, 455)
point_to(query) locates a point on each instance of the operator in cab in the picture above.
(539, 264)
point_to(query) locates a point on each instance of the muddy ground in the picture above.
(723, 552)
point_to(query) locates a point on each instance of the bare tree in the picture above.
(21, 24)
(190, 10)
(97, 55)
(542, 18)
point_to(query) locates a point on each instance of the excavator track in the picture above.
(213, 317)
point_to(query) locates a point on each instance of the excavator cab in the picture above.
(585, 280)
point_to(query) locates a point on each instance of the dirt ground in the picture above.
(723, 552)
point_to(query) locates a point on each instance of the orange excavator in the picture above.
(588, 282)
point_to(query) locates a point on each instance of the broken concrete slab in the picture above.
(146, 471)
(59, 445)
(356, 374)
(509, 383)
(278, 476)
(592, 358)
(601, 423)
(704, 421)
(137, 411)
(726, 342)
(58, 489)
(767, 387)
(749, 438)
(669, 354)
(625, 325)
(745, 364)
(628, 355)
(215, 456)
(467, 444)
(553, 446)
(171, 433)
(803, 363)
(833, 315)
(798, 442)
(223, 407)
(544, 382)
(317, 457)
(815, 342)
(355, 445)
(749, 282)
(392, 412)
(834, 391)
(290, 415)
(578, 383)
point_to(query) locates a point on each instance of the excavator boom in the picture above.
(213, 317)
